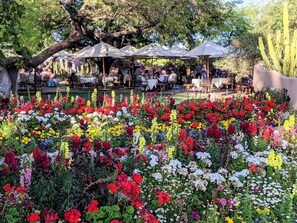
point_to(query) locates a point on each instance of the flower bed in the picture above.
(140, 160)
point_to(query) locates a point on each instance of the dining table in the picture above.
(151, 83)
(219, 82)
(86, 80)
(197, 83)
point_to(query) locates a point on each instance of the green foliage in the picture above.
(108, 213)
(282, 55)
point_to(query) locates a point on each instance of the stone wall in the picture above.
(270, 78)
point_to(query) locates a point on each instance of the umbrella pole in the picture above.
(103, 68)
(207, 66)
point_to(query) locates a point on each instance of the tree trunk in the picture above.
(13, 74)
(5, 83)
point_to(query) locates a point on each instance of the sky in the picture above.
(254, 2)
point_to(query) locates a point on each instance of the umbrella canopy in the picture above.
(153, 50)
(82, 50)
(177, 51)
(129, 50)
(62, 53)
(101, 50)
(207, 49)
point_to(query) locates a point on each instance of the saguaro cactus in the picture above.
(282, 53)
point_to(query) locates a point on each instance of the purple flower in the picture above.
(195, 215)
(220, 188)
(256, 189)
(223, 202)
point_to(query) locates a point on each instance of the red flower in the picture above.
(92, 207)
(112, 188)
(115, 221)
(51, 217)
(163, 197)
(33, 217)
(119, 167)
(106, 145)
(72, 216)
(11, 161)
(137, 178)
(252, 168)
(87, 146)
(8, 188)
(21, 190)
(75, 141)
(231, 129)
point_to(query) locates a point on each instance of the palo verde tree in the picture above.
(38, 29)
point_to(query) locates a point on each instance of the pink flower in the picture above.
(223, 202)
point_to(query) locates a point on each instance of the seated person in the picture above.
(172, 77)
(163, 77)
(213, 72)
(219, 73)
(73, 79)
(246, 81)
(141, 82)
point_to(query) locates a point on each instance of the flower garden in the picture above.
(138, 159)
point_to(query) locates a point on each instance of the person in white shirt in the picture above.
(172, 77)
(163, 76)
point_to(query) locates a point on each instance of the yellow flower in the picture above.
(275, 160)
(239, 218)
(67, 89)
(229, 220)
(64, 148)
(289, 124)
(170, 153)
(141, 144)
(112, 94)
(267, 211)
(259, 211)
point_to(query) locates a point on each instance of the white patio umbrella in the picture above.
(82, 50)
(102, 50)
(177, 51)
(129, 50)
(207, 49)
(153, 50)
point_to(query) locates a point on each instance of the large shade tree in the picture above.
(38, 29)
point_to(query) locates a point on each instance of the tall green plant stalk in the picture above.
(281, 51)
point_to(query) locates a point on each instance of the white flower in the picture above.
(202, 155)
(183, 171)
(198, 172)
(215, 177)
(234, 155)
(158, 176)
(153, 160)
(175, 164)
(201, 184)
(119, 113)
(237, 182)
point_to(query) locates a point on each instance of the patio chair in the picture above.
(206, 84)
(164, 84)
(139, 85)
(229, 82)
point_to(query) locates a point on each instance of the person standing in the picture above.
(198, 71)
(204, 72)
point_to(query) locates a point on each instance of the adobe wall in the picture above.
(270, 78)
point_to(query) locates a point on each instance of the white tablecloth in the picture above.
(88, 80)
(196, 83)
(218, 82)
(151, 83)
(105, 80)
